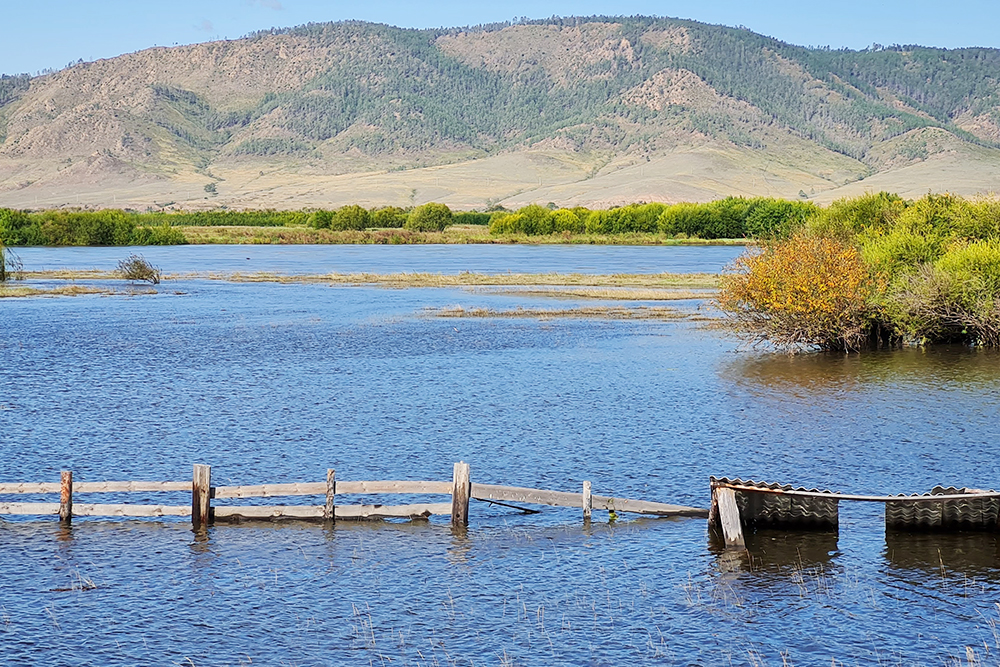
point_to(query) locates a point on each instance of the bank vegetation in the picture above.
(873, 271)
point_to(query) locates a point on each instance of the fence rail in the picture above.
(202, 512)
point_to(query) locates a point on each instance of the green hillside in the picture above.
(352, 98)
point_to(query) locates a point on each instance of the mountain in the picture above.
(592, 111)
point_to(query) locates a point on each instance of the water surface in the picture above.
(276, 383)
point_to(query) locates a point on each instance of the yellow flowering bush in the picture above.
(806, 292)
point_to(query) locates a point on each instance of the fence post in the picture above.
(460, 493)
(329, 512)
(728, 516)
(201, 493)
(588, 502)
(66, 497)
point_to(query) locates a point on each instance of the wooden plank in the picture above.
(729, 517)
(93, 509)
(29, 487)
(130, 487)
(271, 490)
(588, 501)
(342, 511)
(29, 508)
(201, 494)
(329, 512)
(871, 499)
(525, 495)
(393, 511)
(270, 512)
(460, 493)
(647, 507)
(397, 486)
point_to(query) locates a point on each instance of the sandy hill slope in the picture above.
(593, 111)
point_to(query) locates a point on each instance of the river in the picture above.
(277, 383)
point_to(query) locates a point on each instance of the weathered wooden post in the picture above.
(460, 493)
(329, 511)
(66, 497)
(588, 502)
(201, 494)
(726, 514)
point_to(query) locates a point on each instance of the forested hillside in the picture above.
(598, 95)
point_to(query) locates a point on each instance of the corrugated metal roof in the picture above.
(971, 514)
(773, 509)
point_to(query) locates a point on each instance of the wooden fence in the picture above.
(203, 512)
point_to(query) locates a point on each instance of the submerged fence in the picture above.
(739, 505)
(203, 512)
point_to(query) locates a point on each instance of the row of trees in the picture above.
(873, 271)
(431, 217)
(109, 227)
(730, 218)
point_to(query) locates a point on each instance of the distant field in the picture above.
(696, 173)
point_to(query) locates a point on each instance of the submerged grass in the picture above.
(606, 293)
(658, 280)
(10, 291)
(599, 312)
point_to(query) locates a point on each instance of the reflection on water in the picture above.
(805, 374)
(951, 554)
(779, 551)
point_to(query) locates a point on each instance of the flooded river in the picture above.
(277, 383)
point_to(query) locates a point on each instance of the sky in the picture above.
(42, 34)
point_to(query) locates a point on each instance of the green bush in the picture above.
(776, 218)
(430, 217)
(351, 217)
(845, 218)
(692, 220)
(389, 217)
(565, 220)
(471, 218)
(321, 219)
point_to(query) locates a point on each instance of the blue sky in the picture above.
(51, 33)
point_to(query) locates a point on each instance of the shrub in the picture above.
(162, 234)
(565, 220)
(389, 217)
(430, 217)
(803, 292)
(320, 219)
(776, 218)
(846, 218)
(136, 269)
(689, 219)
(504, 222)
(471, 218)
(534, 219)
(898, 252)
(351, 217)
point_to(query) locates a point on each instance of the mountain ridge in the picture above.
(619, 108)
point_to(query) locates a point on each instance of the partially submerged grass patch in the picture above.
(9, 291)
(656, 280)
(584, 312)
(606, 293)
